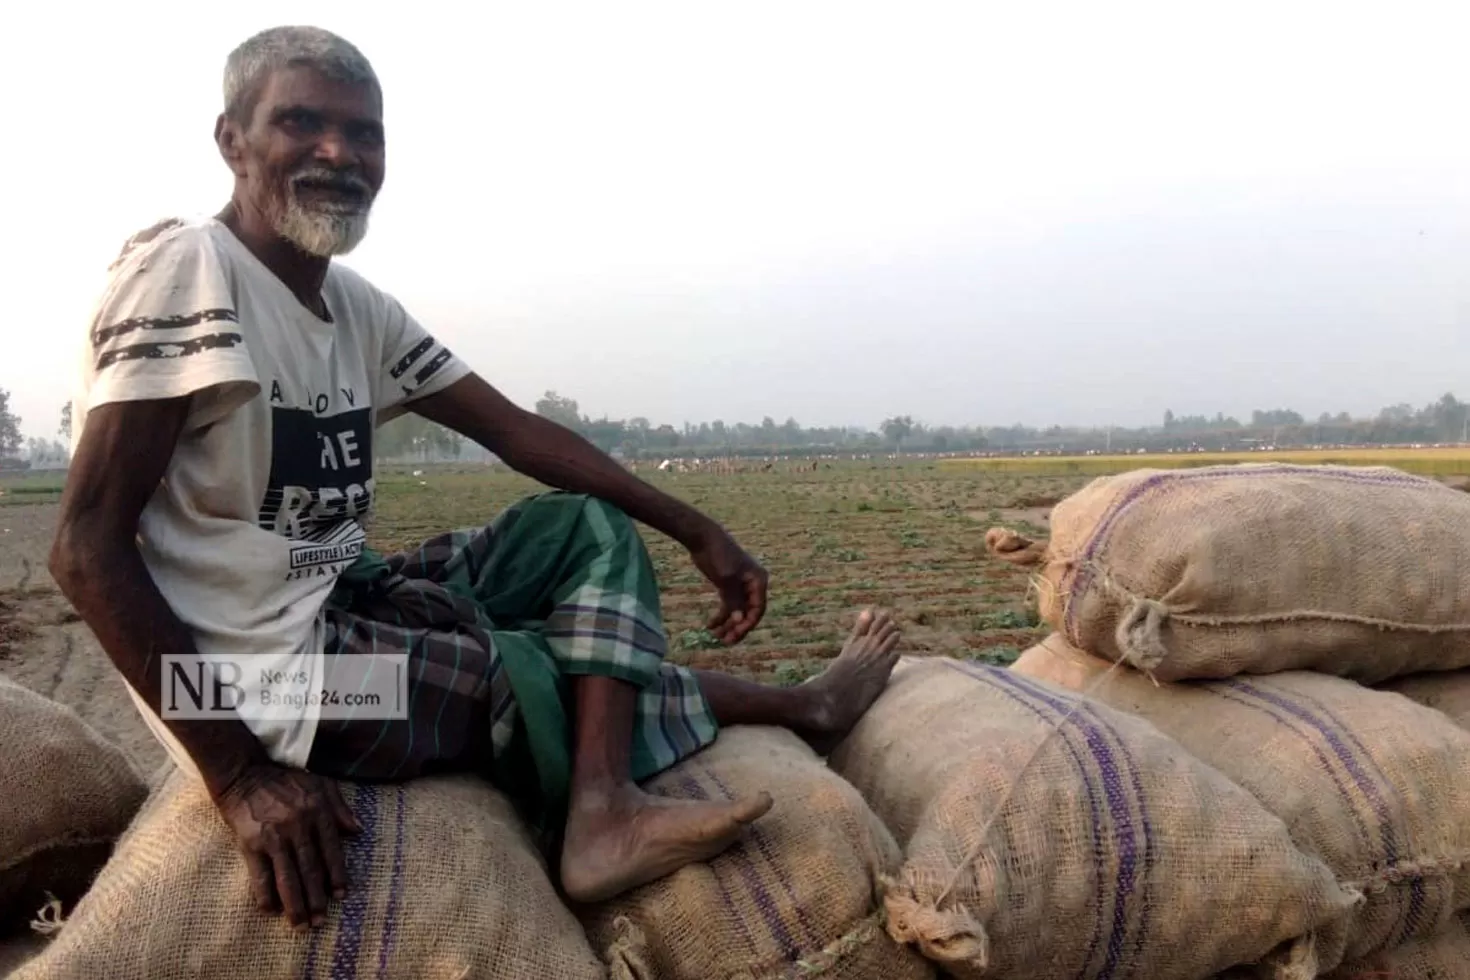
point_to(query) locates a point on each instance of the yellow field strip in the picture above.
(1439, 461)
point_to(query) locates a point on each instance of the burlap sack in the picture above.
(65, 797)
(1447, 692)
(1443, 956)
(1213, 572)
(1047, 837)
(799, 897)
(445, 885)
(1376, 786)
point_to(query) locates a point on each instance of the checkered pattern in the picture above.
(560, 578)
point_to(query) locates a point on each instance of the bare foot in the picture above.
(842, 693)
(630, 838)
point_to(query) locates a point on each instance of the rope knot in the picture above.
(627, 957)
(951, 936)
(49, 920)
(1140, 633)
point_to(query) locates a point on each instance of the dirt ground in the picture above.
(25, 537)
(45, 647)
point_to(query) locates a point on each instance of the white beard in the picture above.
(321, 232)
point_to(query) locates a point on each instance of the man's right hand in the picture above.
(289, 823)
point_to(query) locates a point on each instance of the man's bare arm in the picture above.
(121, 457)
(560, 458)
(287, 821)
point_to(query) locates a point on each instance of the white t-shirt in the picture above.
(264, 501)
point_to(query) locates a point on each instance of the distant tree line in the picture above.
(412, 438)
(1443, 421)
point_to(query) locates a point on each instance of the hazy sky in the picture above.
(971, 213)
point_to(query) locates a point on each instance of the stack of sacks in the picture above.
(1242, 591)
(1374, 785)
(66, 795)
(1048, 836)
(799, 896)
(445, 885)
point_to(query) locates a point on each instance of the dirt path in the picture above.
(45, 647)
(25, 539)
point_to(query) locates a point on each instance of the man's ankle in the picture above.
(597, 794)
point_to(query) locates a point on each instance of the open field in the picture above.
(1437, 461)
(909, 537)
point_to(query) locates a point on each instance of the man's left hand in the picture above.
(740, 580)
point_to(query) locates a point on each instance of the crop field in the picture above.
(1436, 461)
(909, 538)
(905, 536)
(30, 488)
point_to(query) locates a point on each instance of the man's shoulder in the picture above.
(173, 234)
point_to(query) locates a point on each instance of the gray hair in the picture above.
(250, 64)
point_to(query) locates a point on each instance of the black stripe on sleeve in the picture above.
(432, 368)
(408, 360)
(178, 321)
(166, 351)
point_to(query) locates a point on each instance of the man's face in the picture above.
(312, 158)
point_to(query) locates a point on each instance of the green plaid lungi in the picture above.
(495, 621)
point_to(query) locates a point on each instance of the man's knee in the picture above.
(609, 516)
(562, 507)
(551, 516)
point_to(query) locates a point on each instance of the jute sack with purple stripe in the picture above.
(66, 795)
(1049, 836)
(1374, 785)
(1254, 569)
(445, 885)
(798, 897)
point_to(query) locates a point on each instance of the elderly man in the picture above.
(214, 513)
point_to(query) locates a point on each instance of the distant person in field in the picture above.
(222, 472)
